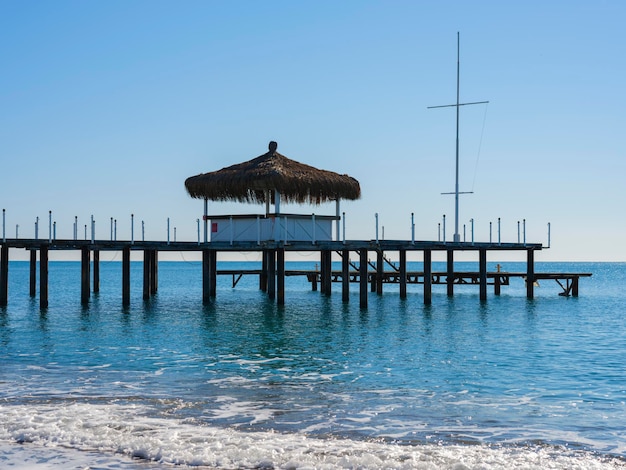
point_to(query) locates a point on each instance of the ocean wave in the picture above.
(101, 433)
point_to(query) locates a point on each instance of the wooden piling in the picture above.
(363, 278)
(43, 277)
(271, 274)
(530, 273)
(450, 273)
(205, 277)
(147, 270)
(280, 276)
(33, 273)
(154, 272)
(4, 275)
(84, 275)
(428, 277)
(96, 271)
(263, 275)
(345, 275)
(402, 273)
(326, 271)
(482, 273)
(380, 271)
(126, 276)
(212, 273)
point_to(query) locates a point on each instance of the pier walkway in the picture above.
(370, 276)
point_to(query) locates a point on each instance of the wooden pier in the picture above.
(272, 274)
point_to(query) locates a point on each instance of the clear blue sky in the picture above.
(106, 108)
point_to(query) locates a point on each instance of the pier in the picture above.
(369, 276)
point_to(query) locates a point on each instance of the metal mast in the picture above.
(457, 236)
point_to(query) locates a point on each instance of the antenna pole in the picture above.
(457, 236)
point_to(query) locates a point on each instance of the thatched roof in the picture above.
(249, 181)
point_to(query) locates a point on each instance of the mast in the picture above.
(457, 236)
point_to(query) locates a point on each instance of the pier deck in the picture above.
(368, 274)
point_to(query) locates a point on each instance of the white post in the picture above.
(499, 239)
(206, 220)
(132, 228)
(49, 226)
(168, 230)
(75, 227)
(413, 227)
(4, 234)
(439, 232)
(337, 225)
(258, 230)
(198, 224)
(444, 228)
(343, 232)
(376, 216)
(17, 230)
(37, 228)
(548, 235)
(313, 220)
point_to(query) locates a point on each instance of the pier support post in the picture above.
(450, 273)
(43, 277)
(575, 286)
(280, 276)
(4, 275)
(85, 263)
(428, 277)
(33, 273)
(126, 276)
(147, 271)
(205, 277)
(154, 272)
(380, 271)
(530, 273)
(497, 282)
(402, 274)
(212, 273)
(363, 278)
(96, 271)
(271, 274)
(263, 275)
(326, 271)
(482, 272)
(345, 275)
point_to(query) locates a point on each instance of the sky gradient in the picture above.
(107, 107)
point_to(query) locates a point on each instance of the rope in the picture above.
(480, 144)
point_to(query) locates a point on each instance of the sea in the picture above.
(242, 383)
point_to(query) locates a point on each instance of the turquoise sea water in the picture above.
(243, 383)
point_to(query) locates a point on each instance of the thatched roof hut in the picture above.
(259, 179)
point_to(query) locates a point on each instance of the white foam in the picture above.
(109, 436)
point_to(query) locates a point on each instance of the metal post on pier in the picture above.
(444, 228)
(93, 230)
(499, 239)
(412, 228)
(472, 224)
(490, 231)
(49, 226)
(132, 228)
(168, 230)
(4, 233)
(524, 230)
(546, 247)
(37, 228)
(376, 216)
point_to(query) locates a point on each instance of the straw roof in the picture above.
(250, 181)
